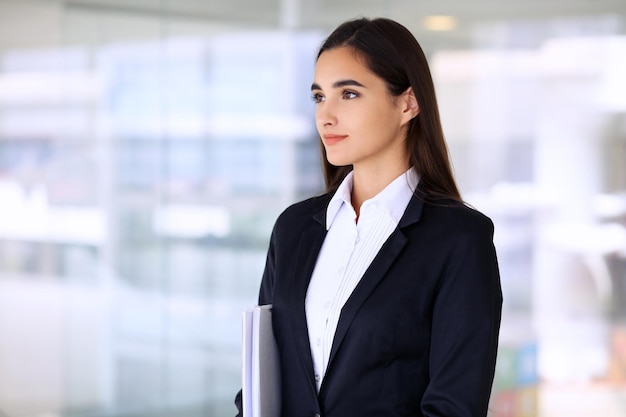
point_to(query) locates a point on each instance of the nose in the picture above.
(325, 115)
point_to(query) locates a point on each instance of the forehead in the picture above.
(341, 63)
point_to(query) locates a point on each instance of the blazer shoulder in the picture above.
(459, 217)
(302, 212)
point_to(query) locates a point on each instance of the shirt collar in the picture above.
(394, 197)
(342, 196)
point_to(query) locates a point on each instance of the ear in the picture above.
(410, 108)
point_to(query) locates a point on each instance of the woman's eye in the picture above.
(317, 97)
(349, 95)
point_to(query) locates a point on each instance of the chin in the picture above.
(337, 160)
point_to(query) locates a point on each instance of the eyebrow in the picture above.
(338, 84)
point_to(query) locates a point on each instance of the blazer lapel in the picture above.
(309, 248)
(375, 273)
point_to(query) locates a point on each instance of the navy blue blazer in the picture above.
(419, 334)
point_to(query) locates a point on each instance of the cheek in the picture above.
(374, 120)
(385, 118)
(318, 122)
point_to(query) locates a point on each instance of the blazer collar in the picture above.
(375, 273)
(311, 242)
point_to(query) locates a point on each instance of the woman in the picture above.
(385, 291)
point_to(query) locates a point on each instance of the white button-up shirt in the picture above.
(347, 252)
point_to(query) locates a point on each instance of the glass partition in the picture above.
(147, 149)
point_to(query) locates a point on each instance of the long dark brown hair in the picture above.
(392, 52)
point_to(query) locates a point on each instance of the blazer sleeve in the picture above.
(465, 325)
(265, 296)
(266, 292)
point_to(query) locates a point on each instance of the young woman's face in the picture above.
(358, 120)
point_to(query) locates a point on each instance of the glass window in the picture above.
(146, 150)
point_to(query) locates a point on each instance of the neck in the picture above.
(369, 182)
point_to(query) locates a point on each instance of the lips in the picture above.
(330, 139)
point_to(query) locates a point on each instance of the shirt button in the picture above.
(341, 270)
(317, 378)
(374, 207)
(327, 304)
(319, 341)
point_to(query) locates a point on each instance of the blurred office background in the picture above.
(146, 148)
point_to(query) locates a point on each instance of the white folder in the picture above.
(261, 396)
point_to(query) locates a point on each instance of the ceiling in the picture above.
(478, 22)
(326, 13)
